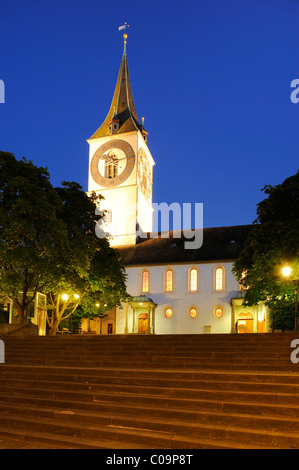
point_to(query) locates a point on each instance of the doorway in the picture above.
(245, 323)
(143, 323)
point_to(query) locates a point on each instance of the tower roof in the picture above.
(122, 106)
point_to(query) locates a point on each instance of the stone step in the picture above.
(142, 365)
(177, 351)
(196, 349)
(150, 394)
(143, 384)
(143, 359)
(159, 406)
(18, 439)
(153, 434)
(162, 419)
(29, 439)
(176, 392)
(89, 374)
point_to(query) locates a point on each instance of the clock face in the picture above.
(144, 173)
(112, 163)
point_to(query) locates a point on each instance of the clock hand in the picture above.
(113, 160)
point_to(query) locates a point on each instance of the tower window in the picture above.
(109, 216)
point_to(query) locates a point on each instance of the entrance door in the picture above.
(245, 323)
(142, 323)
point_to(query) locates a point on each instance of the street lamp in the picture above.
(286, 271)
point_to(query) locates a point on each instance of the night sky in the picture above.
(211, 77)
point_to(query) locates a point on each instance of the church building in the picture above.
(173, 290)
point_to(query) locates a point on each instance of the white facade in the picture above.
(205, 300)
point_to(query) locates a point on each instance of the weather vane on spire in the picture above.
(124, 26)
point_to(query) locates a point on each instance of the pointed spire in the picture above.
(122, 106)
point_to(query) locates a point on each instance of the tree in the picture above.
(32, 237)
(272, 243)
(48, 242)
(101, 288)
(91, 273)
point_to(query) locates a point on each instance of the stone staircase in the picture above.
(150, 392)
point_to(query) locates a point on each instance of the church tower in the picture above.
(121, 165)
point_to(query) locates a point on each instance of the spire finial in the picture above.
(124, 26)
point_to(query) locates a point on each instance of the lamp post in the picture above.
(286, 272)
(101, 315)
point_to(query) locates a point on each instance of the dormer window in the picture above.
(113, 126)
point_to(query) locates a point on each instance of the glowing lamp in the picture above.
(286, 271)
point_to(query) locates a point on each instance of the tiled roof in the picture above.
(219, 243)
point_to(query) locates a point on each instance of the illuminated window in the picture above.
(193, 312)
(169, 280)
(109, 216)
(218, 312)
(219, 278)
(145, 281)
(193, 280)
(168, 312)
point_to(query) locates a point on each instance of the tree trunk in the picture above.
(20, 313)
(54, 328)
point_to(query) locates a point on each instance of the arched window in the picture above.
(169, 280)
(145, 281)
(193, 280)
(168, 312)
(219, 278)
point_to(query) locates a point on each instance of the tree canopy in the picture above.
(48, 243)
(32, 236)
(272, 244)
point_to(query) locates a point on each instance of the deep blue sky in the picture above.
(211, 77)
